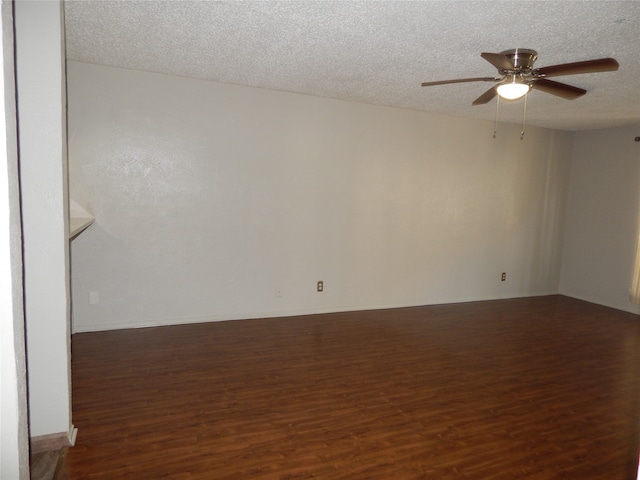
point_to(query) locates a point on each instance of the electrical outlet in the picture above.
(320, 286)
(504, 276)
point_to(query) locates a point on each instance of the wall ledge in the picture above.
(79, 219)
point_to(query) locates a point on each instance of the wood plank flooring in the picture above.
(536, 388)
(46, 465)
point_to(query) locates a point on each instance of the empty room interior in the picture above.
(291, 240)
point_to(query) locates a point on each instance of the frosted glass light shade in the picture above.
(513, 91)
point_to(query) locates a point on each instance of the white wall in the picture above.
(14, 447)
(603, 217)
(41, 104)
(209, 198)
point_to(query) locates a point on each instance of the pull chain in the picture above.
(524, 116)
(495, 125)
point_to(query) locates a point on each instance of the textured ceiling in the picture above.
(375, 51)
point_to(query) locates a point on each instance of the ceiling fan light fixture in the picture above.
(513, 90)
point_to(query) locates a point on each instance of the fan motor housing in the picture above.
(522, 58)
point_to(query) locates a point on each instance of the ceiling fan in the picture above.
(517, 75)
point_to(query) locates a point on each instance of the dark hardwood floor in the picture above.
(537, 388)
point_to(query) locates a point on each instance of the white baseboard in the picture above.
(281, 313)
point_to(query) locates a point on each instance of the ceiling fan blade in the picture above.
(487, 96)
(461, 80)
(589, 66)
(498, 60)
(556, 88)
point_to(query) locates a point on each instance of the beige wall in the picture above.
(13, 375)
(603, 217)
(217, 201)
(43, 183)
